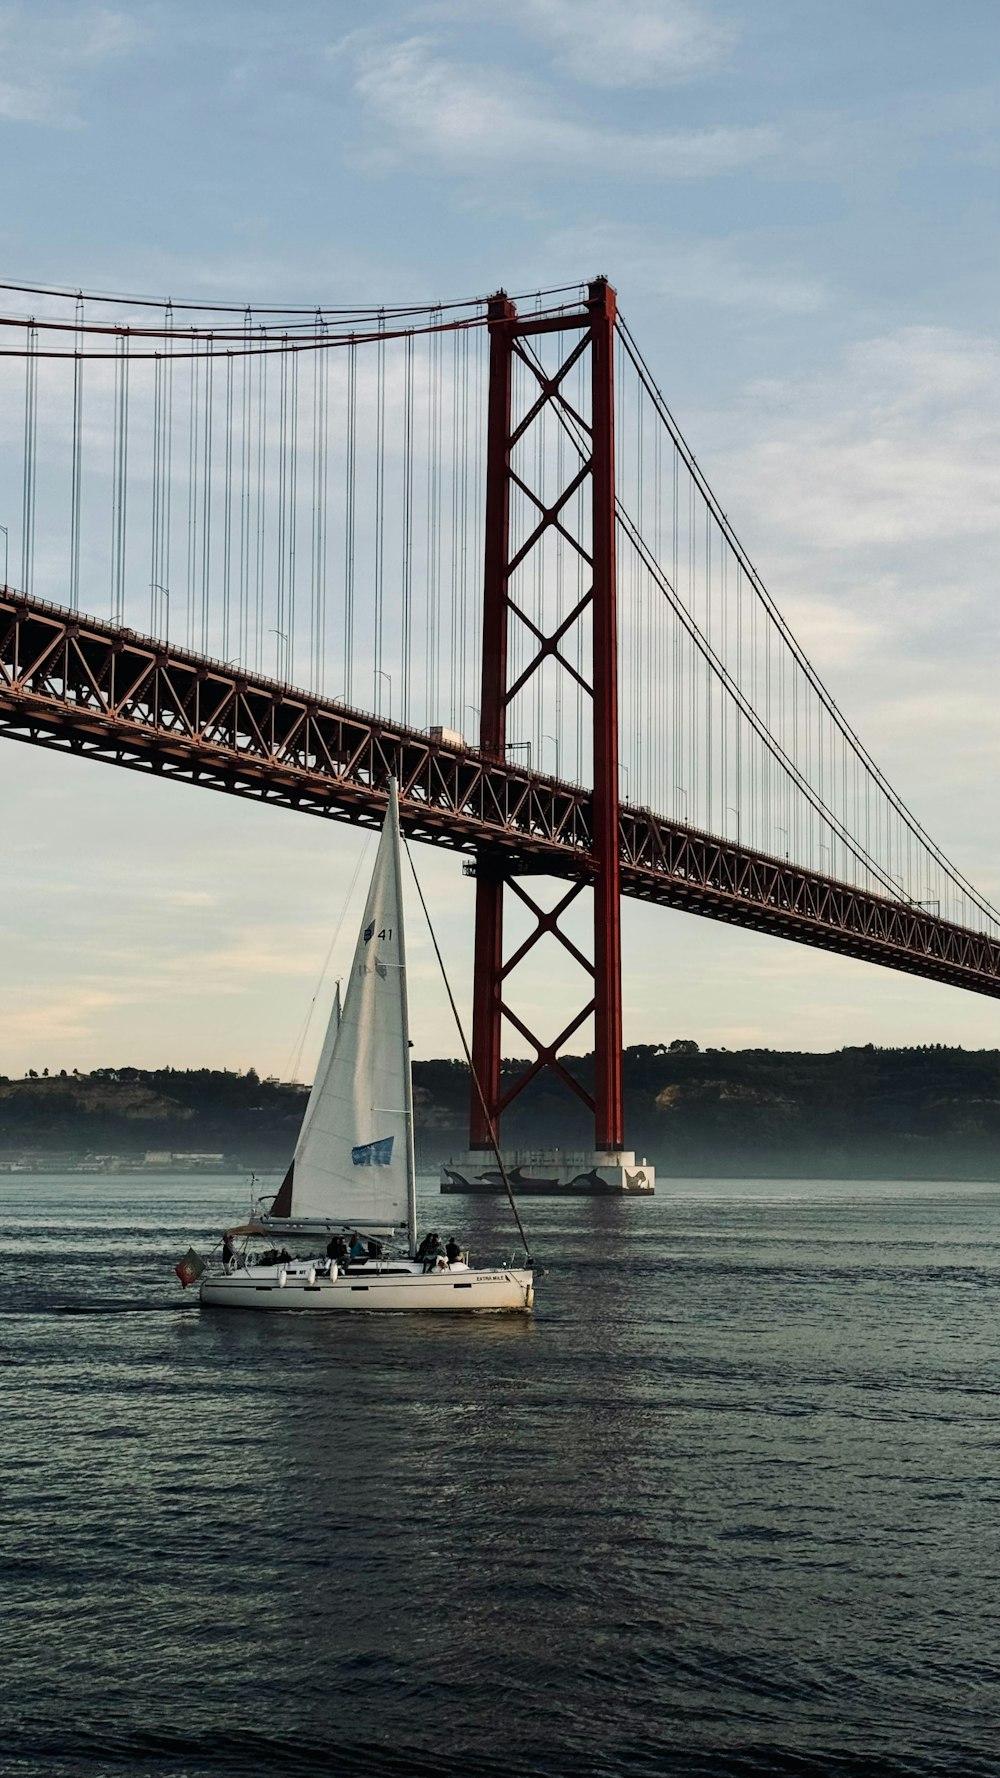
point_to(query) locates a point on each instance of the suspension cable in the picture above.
(850, 735)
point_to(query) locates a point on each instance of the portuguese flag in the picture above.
(190, 1268)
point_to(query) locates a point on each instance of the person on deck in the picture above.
(336, 1250)
(431, 1250)
(453, 1251)
(228, 1251)
(358, 1250)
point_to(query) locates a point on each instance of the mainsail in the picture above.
(353, 1160)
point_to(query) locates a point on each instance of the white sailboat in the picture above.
(353, 1170)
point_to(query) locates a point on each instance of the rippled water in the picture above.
(727, 1504)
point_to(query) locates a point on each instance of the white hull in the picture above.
(453, 1290)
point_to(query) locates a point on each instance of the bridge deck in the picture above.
(79, 685)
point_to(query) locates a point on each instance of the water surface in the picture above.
(728, 1504)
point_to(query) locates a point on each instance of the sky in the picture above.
(798, 203)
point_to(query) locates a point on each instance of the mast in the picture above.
(411, 1167)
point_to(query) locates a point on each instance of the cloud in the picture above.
(897, 445)
(188, 898)
(244, 964)
(726, 273)
(636, 43)
(462, 114)
(67, 1014)
(42, 49)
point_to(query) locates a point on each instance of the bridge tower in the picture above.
(587, 333)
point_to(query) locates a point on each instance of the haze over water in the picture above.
(726, 1505)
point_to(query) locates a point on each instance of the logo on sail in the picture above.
(369, 931)
(373, 1154)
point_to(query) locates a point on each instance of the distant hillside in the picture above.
(930, 1112)
(927, 1112)
(132, 1111)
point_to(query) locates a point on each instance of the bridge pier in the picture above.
(595, 324)
(551, 1173)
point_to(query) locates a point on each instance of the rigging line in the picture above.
(785, 632)
(490, 1126)
(294, 1063)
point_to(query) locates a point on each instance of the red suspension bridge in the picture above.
(239, 528)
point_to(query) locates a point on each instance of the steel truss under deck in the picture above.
(82, 686)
